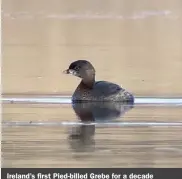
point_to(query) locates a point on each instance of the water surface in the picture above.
(90, 135)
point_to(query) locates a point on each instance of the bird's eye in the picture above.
(77, 68)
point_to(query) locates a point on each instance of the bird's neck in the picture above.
(88, 81)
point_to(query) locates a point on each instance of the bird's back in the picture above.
(102, 91)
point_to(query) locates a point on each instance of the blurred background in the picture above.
(134, 43)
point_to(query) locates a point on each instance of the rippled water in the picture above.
(40, 132)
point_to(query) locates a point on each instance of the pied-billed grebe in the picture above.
(91, 90)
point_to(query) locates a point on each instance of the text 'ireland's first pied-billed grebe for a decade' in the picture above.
(91, 90)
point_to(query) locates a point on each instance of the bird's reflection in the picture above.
(81, 138)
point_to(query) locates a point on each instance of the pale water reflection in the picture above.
(60, 99)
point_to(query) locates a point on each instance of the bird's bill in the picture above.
(68, 71)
